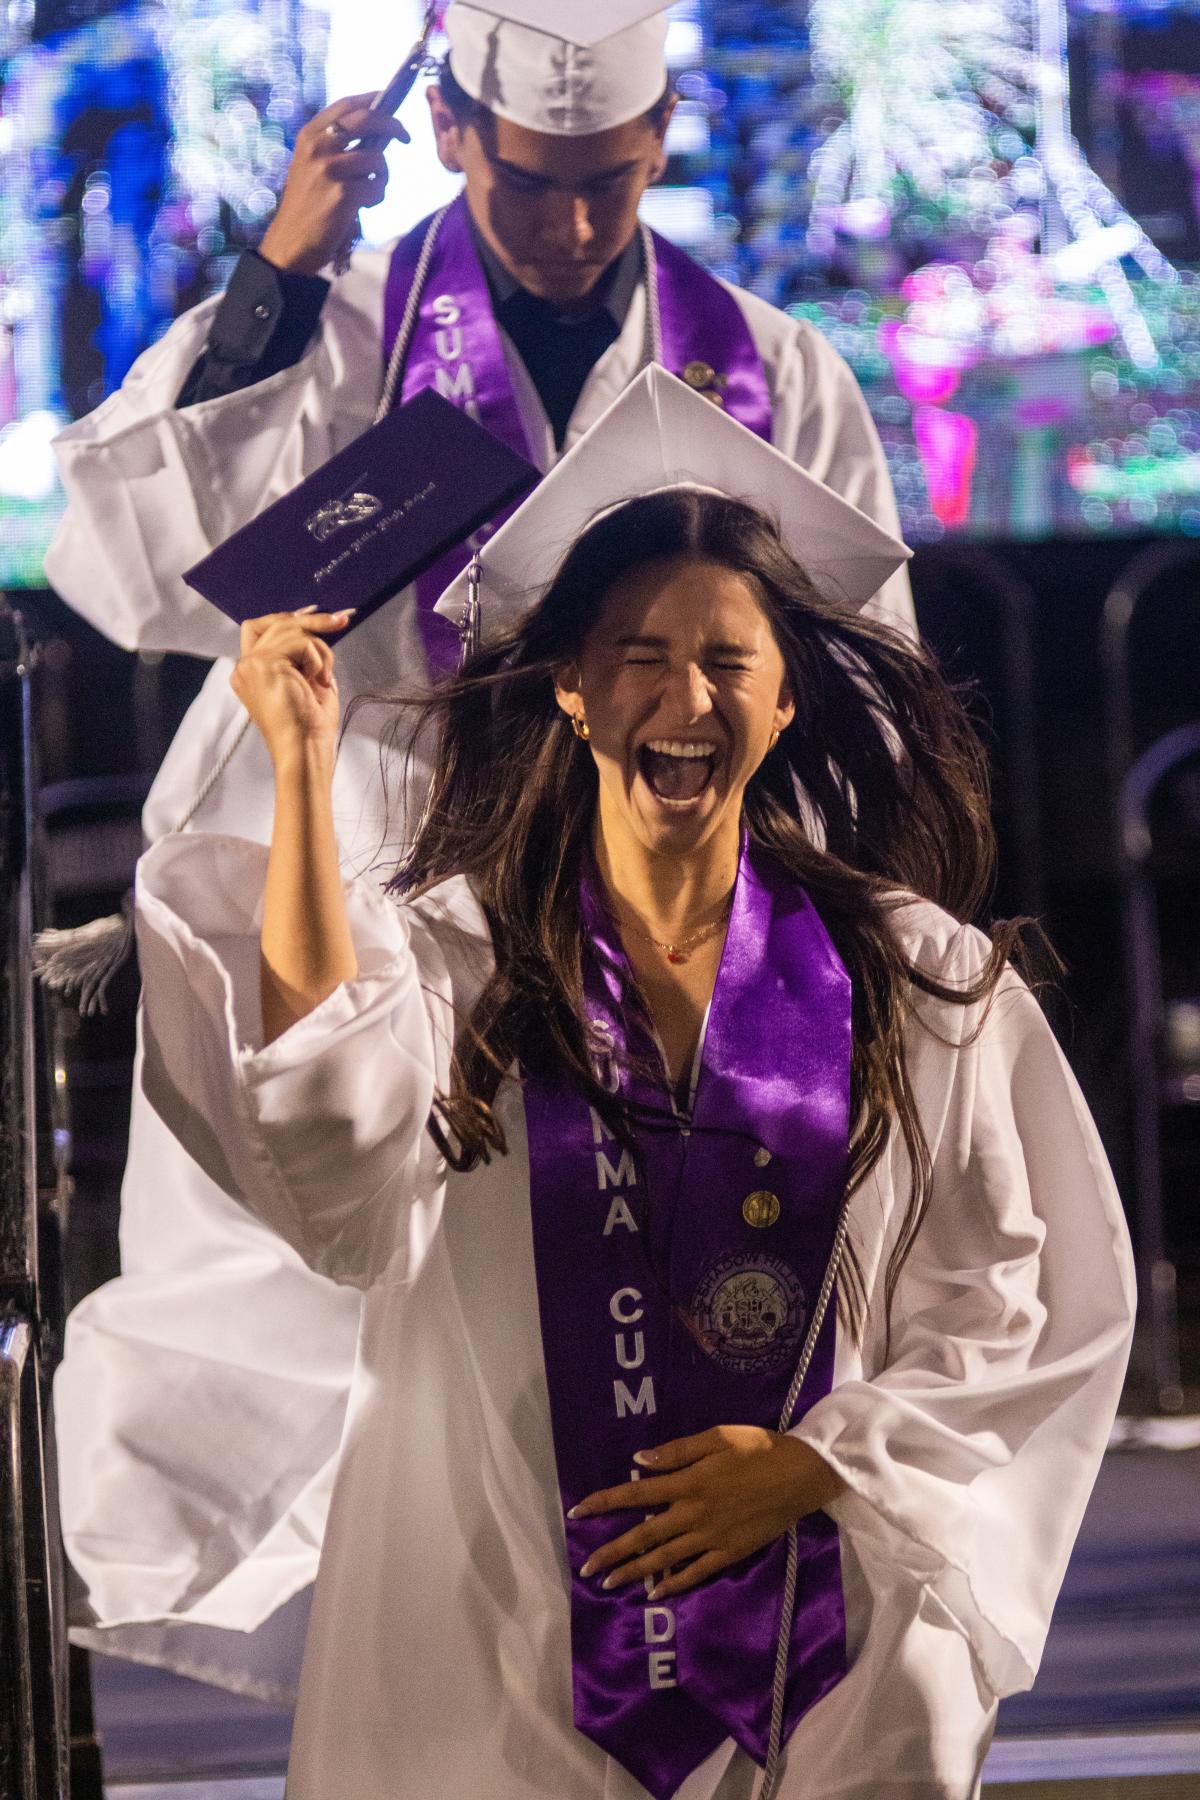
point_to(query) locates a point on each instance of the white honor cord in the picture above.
(211, 779)
(783, 1642)
(408, 323)
(652, 350)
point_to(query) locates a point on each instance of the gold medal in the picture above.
(704, 380)
(699, 374)
(761, 1209)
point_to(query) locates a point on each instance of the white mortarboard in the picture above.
(561, 66)
(659, 434)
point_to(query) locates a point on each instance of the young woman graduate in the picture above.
(746, 1295)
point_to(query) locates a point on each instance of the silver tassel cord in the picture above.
(772, 1768)
(469, 633)
(82, 961)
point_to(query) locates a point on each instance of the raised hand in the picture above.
(328, 183)
(717, 1497)
(285, 680)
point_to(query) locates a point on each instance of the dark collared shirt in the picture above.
(267, 317)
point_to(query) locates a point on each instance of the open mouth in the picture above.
(676, 772)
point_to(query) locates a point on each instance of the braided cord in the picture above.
(408, 323)
(771, 1770)
(652, 350)
(211, 779)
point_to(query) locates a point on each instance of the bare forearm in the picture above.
(307, 949)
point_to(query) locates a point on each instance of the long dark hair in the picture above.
(894, 782)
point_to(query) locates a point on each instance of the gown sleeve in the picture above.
(321, 1134)
(152, 487)
(970, 1442)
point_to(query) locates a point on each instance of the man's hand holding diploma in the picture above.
(285, 680)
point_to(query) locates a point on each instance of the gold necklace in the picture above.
(678, 952)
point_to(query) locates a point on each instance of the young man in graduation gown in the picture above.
(533, 301)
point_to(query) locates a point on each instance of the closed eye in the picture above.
(523, 184)
(607, 184)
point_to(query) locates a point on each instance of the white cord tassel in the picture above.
(773, 1767)
(82, 961)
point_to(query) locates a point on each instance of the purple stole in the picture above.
(456, 347)
(675, 1286)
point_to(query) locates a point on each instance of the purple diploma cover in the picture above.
(371, 520)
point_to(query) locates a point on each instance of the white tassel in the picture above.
(83, 960)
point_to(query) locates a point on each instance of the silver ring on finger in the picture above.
(337, 132)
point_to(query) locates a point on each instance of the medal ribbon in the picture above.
(704, 332)
(457, 348)
(665, 1310)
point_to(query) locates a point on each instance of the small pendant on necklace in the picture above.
(675, 956)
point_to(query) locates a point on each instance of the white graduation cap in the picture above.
(660, 433)
(561, 66)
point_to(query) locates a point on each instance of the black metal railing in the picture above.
(1136, 771)
(33, 1738)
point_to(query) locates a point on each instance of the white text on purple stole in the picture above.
(626, 1309)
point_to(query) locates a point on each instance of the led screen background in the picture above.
(992, 208)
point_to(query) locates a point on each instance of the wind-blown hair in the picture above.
(896, 793)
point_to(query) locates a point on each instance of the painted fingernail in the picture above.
(306, 609)
(610, 1581)
(586, 1569)
(646, 1458)
(654, 1592)
(574, 1513)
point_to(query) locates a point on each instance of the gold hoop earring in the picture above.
(580, 726)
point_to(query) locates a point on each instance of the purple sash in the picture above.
(665, 1311)
(703, 329)
(456, 347)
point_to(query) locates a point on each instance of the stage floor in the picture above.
(1174, 1755)
(1115, 1713)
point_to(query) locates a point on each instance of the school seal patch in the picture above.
(749, 1313)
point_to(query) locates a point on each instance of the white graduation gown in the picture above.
(214, 1323)
(438, 1660)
